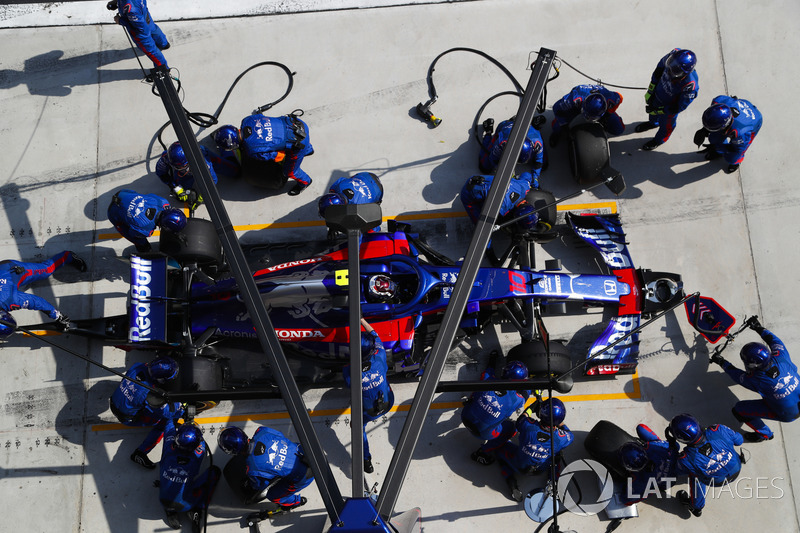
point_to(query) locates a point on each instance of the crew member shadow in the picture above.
(50, 74)
(449, 176)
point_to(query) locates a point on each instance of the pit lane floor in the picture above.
(78, 125)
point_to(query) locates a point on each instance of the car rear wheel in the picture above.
(196, 243)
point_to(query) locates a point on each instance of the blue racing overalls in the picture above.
(273, 457)
(284, 140)
(135, 215)
(492, 149)
(134, 15)
(734, 141)
(714, 462)
(362, 188)
(475, 190)
(670, 97)
(15, 276)
(571, 105)
(533, 453)
(661, 462)
(180, 487)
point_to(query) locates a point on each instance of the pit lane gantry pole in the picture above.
(466, 278)
(314, 454)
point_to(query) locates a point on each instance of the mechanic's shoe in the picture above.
(516, 494)
(78, 263)
(754, 436)
(712, 154)
(368, 468)
(651, 145)
(731, 169)
(197, 517)
(555, 138)
(685, 500)
(482, 458)
(298, 188)
(166, 47)
(644, 126)
(140, 458)
(302, 502)
(173, 520)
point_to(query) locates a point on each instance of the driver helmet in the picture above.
(233, 440)
(594, 107)
(515, 370)
(382, 286)
(177, 158)
(680, 63)
(687, 430)
(529, 212)
(554, 406)
(227, 138)
(188, 437)
(172, 219)
(162, 369)
(755, 356)
(633, 456)
(327, 200)
(718, 117)
(7, 329)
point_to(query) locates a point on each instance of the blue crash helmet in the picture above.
(755, 356)
(7, 329)
(172, 219)
(594, 107)
(188, 437)
(329, 199)
(233, 440)
(633, 456)
(176, 157)
(686, 429)
(529, 212)
(515, 370)
(554, 405)
(525, 155)
(227, 138)
(718, 117)
(162, 369)
(680, 63)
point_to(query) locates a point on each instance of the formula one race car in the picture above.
(405, 288)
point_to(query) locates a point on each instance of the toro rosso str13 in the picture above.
(307, 299)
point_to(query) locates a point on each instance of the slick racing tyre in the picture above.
(198, 374)
(196, 243)
(534, 356)
(544, 231)
(588, 152)
(603, 443)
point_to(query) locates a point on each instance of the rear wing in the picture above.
(147, 306)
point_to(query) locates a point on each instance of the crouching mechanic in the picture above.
(486, 414)
(492, 147)
(377, 394)
(136, 216)
(134, 405)
(770, 372)
(273, 466)
(534, 452)
(673, 86)
(15, 276)
(182, 488)
(594, 102)
(269, 148)
(476, 189)
(649, 464)
(730, 124)
(708, 458)
(173, 169)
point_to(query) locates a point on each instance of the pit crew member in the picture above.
(770, 372)
(15, 276)
(173, 169)
(533, 454)
(182, 488)
(136, 216)
(362, 188)
(709, 458)
(269, 146)
(274, 466)
(134, 405)
(377, 394)
(492, 146)
(594, 102)
(730, 124)
(135, 17)
(673, 86)
(648, 463)
(476, 189)
(487, 414)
